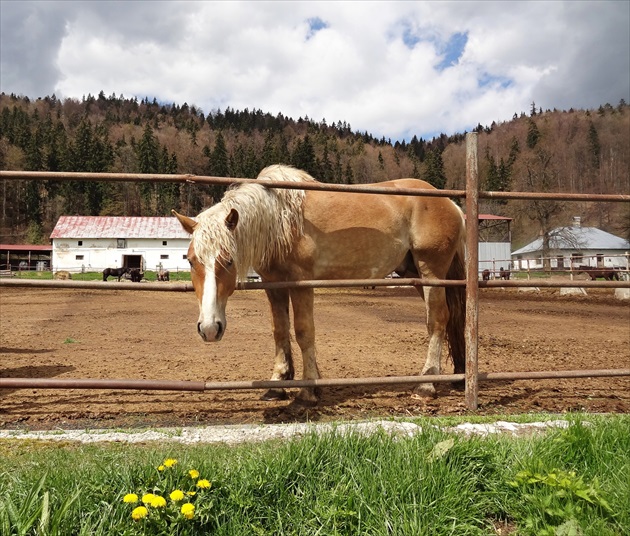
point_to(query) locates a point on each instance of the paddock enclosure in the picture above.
(89, 331)
(70, 333)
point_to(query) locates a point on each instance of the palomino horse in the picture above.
(292, 235)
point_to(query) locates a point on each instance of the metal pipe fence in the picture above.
(472, 194)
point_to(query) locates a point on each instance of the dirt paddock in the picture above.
(117, 334)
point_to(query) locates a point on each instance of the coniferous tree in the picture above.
(594, 145)
(533, 134)
(434, 170)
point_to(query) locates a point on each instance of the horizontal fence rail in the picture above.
(315, 283)
(321, 186)
(170, 385)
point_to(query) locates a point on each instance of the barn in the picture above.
(575, 245)
(93, 243)
(495, 238)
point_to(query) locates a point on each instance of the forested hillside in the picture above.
(585, 151)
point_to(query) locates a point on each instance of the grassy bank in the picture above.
(568, 481)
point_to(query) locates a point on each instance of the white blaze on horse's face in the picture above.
(214, 281)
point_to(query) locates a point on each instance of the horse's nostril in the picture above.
(219, 330)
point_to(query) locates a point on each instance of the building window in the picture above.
(185, 257)
(79, 257)
(121, 243)
(80, 242)
(164, 257)
(164, 242)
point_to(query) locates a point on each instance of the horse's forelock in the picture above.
(269, 221)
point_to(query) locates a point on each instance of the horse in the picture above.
(504, 274)
(485, 275)
(292, 234)
(609, 274)
(163, 275)
(114, 272)
(136, 275)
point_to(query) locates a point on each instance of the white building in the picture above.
(93, 243)
(575, 246)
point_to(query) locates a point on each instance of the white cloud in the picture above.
(393, 69)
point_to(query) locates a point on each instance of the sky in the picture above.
(392, 69)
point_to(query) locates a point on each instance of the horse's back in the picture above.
(362, 235)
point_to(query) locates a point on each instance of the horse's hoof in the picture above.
(424, 391)
(459, 385)
(307, 397)
(274, 394)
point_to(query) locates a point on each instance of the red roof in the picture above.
(25, 247)
(491, 217)
(118, 227)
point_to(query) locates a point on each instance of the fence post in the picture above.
(472, 278)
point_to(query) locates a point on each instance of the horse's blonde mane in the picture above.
(269, 221)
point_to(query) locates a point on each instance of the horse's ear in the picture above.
(187, 223)
(231, 220)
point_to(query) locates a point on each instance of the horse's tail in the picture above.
(456, 302)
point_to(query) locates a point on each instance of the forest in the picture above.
(575, 151)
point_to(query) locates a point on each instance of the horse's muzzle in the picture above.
(211, 335)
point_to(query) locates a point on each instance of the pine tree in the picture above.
(594, 145)
(533, 134)
(434, 170)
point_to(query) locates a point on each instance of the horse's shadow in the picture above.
(31, 371)
(332, 397)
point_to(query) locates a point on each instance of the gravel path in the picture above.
(253, 433)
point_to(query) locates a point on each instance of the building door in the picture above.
(132, 261)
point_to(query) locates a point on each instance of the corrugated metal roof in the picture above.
(24, 247)
(118, 227)
(576, 239)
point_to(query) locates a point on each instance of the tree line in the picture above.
(576, 150)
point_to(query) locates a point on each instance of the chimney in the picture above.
(577, 221)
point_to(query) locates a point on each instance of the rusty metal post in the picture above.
(472, 277)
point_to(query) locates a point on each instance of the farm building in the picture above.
(16, 257)
(93, 243)
(495, 242)
(575, 246)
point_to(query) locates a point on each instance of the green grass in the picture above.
(568, 481)
(98, 276)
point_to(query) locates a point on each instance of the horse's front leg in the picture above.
(283, 361)
(437, 319)
(302, 300)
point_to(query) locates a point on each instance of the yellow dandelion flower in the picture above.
(158, 502)
(147, 498)
(139, 513)
(194, 474)
(191, 493)
(188, 510)
(170, 462)
(130, 498)
(176, 495)
(161, 468)
(203, 483)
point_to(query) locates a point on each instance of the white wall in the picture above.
(494, 255)
(94, 255)
(612, 258)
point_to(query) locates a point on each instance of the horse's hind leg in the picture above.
(437, 319)
(283, 362)
(302, 300)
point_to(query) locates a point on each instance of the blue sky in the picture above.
(394, 69)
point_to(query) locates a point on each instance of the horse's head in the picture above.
(213, 276)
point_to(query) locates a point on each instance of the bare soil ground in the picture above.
(360, 332)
